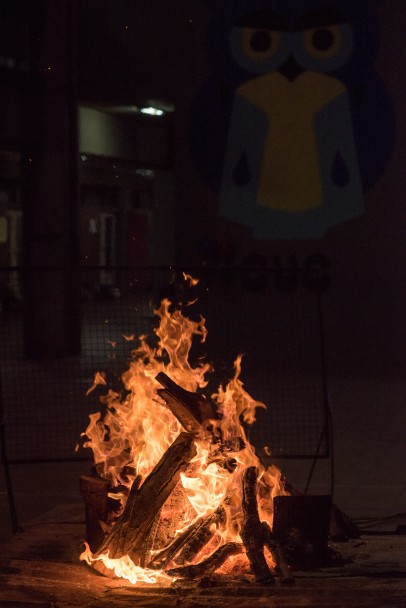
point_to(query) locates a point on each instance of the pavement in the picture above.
(39, 568)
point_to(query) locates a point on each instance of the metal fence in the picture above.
(277, 326)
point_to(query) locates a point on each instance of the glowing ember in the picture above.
(139, 427)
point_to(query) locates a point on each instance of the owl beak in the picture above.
(290, 69)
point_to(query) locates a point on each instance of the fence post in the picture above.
(51, 279)
(3, 457)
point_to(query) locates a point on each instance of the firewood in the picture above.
(192, 410)
(235, 444)
(196, 414)
(278, 554)
(118, 538)
(220, 453)
(130, 500)
(201, 536)
(190, 541)
(164, 556)
(128, 535)
(221, 460)
(209, 565)
(94, 491)
(145, 551)
(251, 529)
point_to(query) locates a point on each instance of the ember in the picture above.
(192, 497)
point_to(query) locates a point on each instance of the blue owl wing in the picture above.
(374, 126)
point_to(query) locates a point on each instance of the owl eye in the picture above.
(260, 41)
(323, 39)
(259, 44)
(323, 42)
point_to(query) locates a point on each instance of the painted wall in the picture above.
(365, 254)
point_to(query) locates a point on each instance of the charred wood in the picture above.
(162, 558)
(251, 529)
(198, 415)
(229, 463)
(127, 472)
(220, 453)
(208, 566)
(200, 536)
(235, 444)
(94, 491)
(128, 509)
(117, 537)
(193, 411)
(190, 541)
(278, 554)
(147, 545)
(128, 535)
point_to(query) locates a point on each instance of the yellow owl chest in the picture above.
(290, 177)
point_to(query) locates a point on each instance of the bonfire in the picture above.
(192, 498)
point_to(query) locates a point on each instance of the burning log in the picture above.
(115, 539)
(221, 456)
(191, 541)
(235, 444)
(278, 555)
(196, 414)
(146, 548)
(201, 536)
(193, 411)
(208, 566)
(161, 559)
(159, 506)
(251, 529)
(129, 505)
(128, 535)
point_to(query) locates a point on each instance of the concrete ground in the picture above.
(369, 461)
(39, 568)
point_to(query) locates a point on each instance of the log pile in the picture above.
(131, 534)
(135, 531)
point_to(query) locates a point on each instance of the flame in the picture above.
(99, 378)
(125, 568)
(138, 428)
(192, 281)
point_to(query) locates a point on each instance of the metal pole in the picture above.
(326, 432)
(3, 457)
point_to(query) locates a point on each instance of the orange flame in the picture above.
(192, 281)
(98, 379)
(138, 429)
(125, 568)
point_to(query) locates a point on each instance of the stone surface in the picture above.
(39, 568)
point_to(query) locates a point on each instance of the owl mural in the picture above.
(294, 125)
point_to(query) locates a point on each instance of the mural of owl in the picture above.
(293, 125)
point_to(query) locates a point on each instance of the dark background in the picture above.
(163, 51)
(106, 54)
